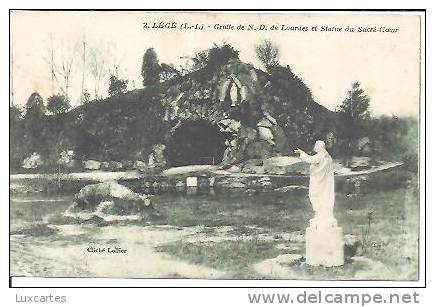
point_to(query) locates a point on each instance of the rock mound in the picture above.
(110, 201)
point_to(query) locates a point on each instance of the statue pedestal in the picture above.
(324, 243)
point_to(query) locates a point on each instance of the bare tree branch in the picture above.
(97, 69)
(60, 69)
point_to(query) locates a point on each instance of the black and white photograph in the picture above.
(216, 145)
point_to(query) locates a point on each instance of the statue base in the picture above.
(324, 243)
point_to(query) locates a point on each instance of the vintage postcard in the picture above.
(216, 145)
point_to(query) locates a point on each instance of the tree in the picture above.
(15, 114)
(85, 98)
(199, 61)
(61, 66)
(65, 71)
(220, 56)
(150, 68)
(354, 114)
(33, 124)
(35, 106)
(268, 54)
(51, 63)
(58, 104)
(117, 86)
(97, 69)
(356, 105)
(16, 132)
(82, 92)
(210, 60)
(168, 71)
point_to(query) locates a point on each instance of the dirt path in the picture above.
(139, 261)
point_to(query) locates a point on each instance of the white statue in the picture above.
(321, 190)
(323, 240)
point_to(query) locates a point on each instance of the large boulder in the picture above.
(115, 165)
(140, 165)
(92, 164)
(265, 128)
(109, 198)
(228, 125)
(157, 159)
(32, 162)
(66, 159)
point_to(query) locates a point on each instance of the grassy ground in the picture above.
(228, 233)
(385, 222)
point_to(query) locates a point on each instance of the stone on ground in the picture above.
(92, 164)
(32, 162)
(109, 198)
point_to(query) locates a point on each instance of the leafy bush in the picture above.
(117, 86)
(150, 68)
(57, 104)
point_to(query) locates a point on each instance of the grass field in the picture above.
(257, 228)
(218, 236)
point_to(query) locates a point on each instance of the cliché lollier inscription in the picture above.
(109, 250)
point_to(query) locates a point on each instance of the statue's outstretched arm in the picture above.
(308, 158)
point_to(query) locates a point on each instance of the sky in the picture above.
(386, 64)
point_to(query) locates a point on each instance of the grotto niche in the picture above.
(196, 142)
